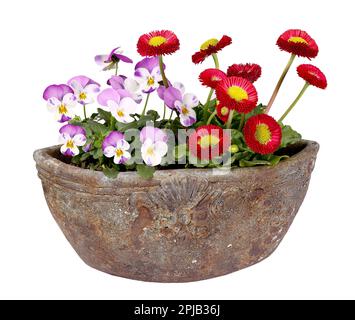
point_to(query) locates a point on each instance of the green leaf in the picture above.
(145, 171)
(274, 159)
(97, 153)
(253, 163)
(289, 136)
(153, 114)
(96, 127)
(111, 173)
(104, 115)
(258, 110)
(85, 156)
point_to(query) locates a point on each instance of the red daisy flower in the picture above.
(158, 43)
(222, 112)
(298, 42)
(237, 93)
(208, 142)
(209, 47)
(212, 77)
(312, 75)
(262, 134)
(249, 71)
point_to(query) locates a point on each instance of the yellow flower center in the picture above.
(70, 144)
(150, 151)
(82, 96)
(297, 40)
(150, 81)
(237, 93)
(63, 109)
(184, 110)
(262, 133)
(119, 152)
(157, 41)
(210, 42)
(208, 140)
(120, 113)
(224, 111)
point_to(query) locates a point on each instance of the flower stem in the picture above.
(215, 59)
(145, 105)
(171, 115)
(164, 111)
(116, 71)
(211, 117)
(242, 119)
(294, 102)
(161, 67)
(230, 118)
(207, 104)
(279, 83)
(85, 116)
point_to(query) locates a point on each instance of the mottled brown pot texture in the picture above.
(184, 224)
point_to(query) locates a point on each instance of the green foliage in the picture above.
(289, 136)
(112, 172)
(145, 171)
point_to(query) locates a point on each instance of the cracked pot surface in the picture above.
(184, 224)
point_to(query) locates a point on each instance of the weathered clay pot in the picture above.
(183, 225)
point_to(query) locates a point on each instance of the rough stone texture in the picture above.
(183, 225)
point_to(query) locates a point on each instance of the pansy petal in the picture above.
(172, 94)
(129, 105)
(122, 144)
(69, 100)
(100, 59)
(109, 151)
(190, 100)
(53, 104)
(142, 73)
(180, 87)
(131, 85)
(106, 95)
(123, 58)
(116, 82)
(79, 140)
(92, 88)
(56, 91)
(160, 148)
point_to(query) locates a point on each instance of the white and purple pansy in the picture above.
(114, 145)
(84, 89)
(126, 87)
(121, 108)
(71, 137)
(154, 145)
(176, 98)
(109, 61)
(60, 100)
(147, 73)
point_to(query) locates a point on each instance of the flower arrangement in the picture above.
(230, 129)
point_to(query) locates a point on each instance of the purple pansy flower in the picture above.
(154, 145)
(71, 137)
(176, 98)
(60, 100)
(110, 60)
(114, 145)
(126, 87)
(148, 74)
(121, 108)
(152, 133)
(84, 88)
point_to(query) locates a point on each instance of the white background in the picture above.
(45, 42)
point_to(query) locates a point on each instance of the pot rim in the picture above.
(45, 160)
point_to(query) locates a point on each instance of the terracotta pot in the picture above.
(183, 225)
